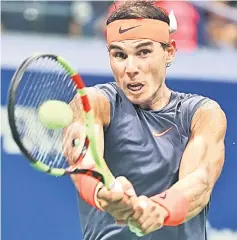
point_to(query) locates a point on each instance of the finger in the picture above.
(140, 204)
(103, 204)
(135, 216)
(126, 185)
(153, 223)
(121, 215)
(104, 194)
(142, 212)
(153, 227)
(148, 213)
(148, 223)
(117, 190)
(121, 205)
(109, 196)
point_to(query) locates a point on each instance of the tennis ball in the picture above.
(55, 114)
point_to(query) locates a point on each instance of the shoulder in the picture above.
(114, 96)
(190, 106)
(211, 111)
(107, 88)
(104, 98)
(209, 118)
(110, 90)
(185, 97)
(100, 104)
(210, 106)
(189, 102)
(202, 110)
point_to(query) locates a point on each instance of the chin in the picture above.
(137, 101)
(140, 98)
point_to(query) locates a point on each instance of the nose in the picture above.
(131, 68)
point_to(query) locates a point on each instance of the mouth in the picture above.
(135, 87)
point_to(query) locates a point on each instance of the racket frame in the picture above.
(103, 173)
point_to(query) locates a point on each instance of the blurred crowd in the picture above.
(211, 24)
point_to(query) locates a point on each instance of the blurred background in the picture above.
(37, 206)
(201, 24)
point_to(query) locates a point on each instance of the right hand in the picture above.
(118, 202)
(75, 131)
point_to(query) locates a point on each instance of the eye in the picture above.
(144, 52)
(75, 142)
(120, 55)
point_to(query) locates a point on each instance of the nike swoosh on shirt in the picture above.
(127, 29)
(162, 133)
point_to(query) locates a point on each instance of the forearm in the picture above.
(196, 188)
(200, 167)
(185, 199)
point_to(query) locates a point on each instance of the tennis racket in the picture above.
(40, 78)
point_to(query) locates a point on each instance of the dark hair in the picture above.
(139, 9)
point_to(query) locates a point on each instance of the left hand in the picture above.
(148, 216)
(117, 202)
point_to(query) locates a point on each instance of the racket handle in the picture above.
(135, 230)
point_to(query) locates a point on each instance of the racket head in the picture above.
(22, 112)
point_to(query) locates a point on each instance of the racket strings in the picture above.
(44, 80)
(59, 161)
(50, 82)
(31, 116)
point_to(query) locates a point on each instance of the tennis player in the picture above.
(166, 148)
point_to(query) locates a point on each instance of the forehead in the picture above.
(133, 44)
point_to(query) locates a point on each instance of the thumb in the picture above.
(126, 186)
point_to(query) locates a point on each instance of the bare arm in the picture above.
(99, 103)
(200, 167)
(101, 110)
(203, 158)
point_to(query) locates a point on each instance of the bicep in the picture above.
(205, 150)
(100, 106)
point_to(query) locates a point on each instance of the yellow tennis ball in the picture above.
(55, 114)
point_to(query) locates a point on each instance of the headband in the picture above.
(129, 29)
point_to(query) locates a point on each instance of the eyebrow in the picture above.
(112, 46)
(144, 44)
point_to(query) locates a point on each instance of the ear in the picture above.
(171, 50)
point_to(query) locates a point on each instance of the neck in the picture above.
(160, 99)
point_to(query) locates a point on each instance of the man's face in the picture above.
(139, 68)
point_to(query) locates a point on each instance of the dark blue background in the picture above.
(36, 206)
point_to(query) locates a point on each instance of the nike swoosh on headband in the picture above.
(127, 29)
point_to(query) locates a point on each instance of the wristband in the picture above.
(88, 186)
(176, 205)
